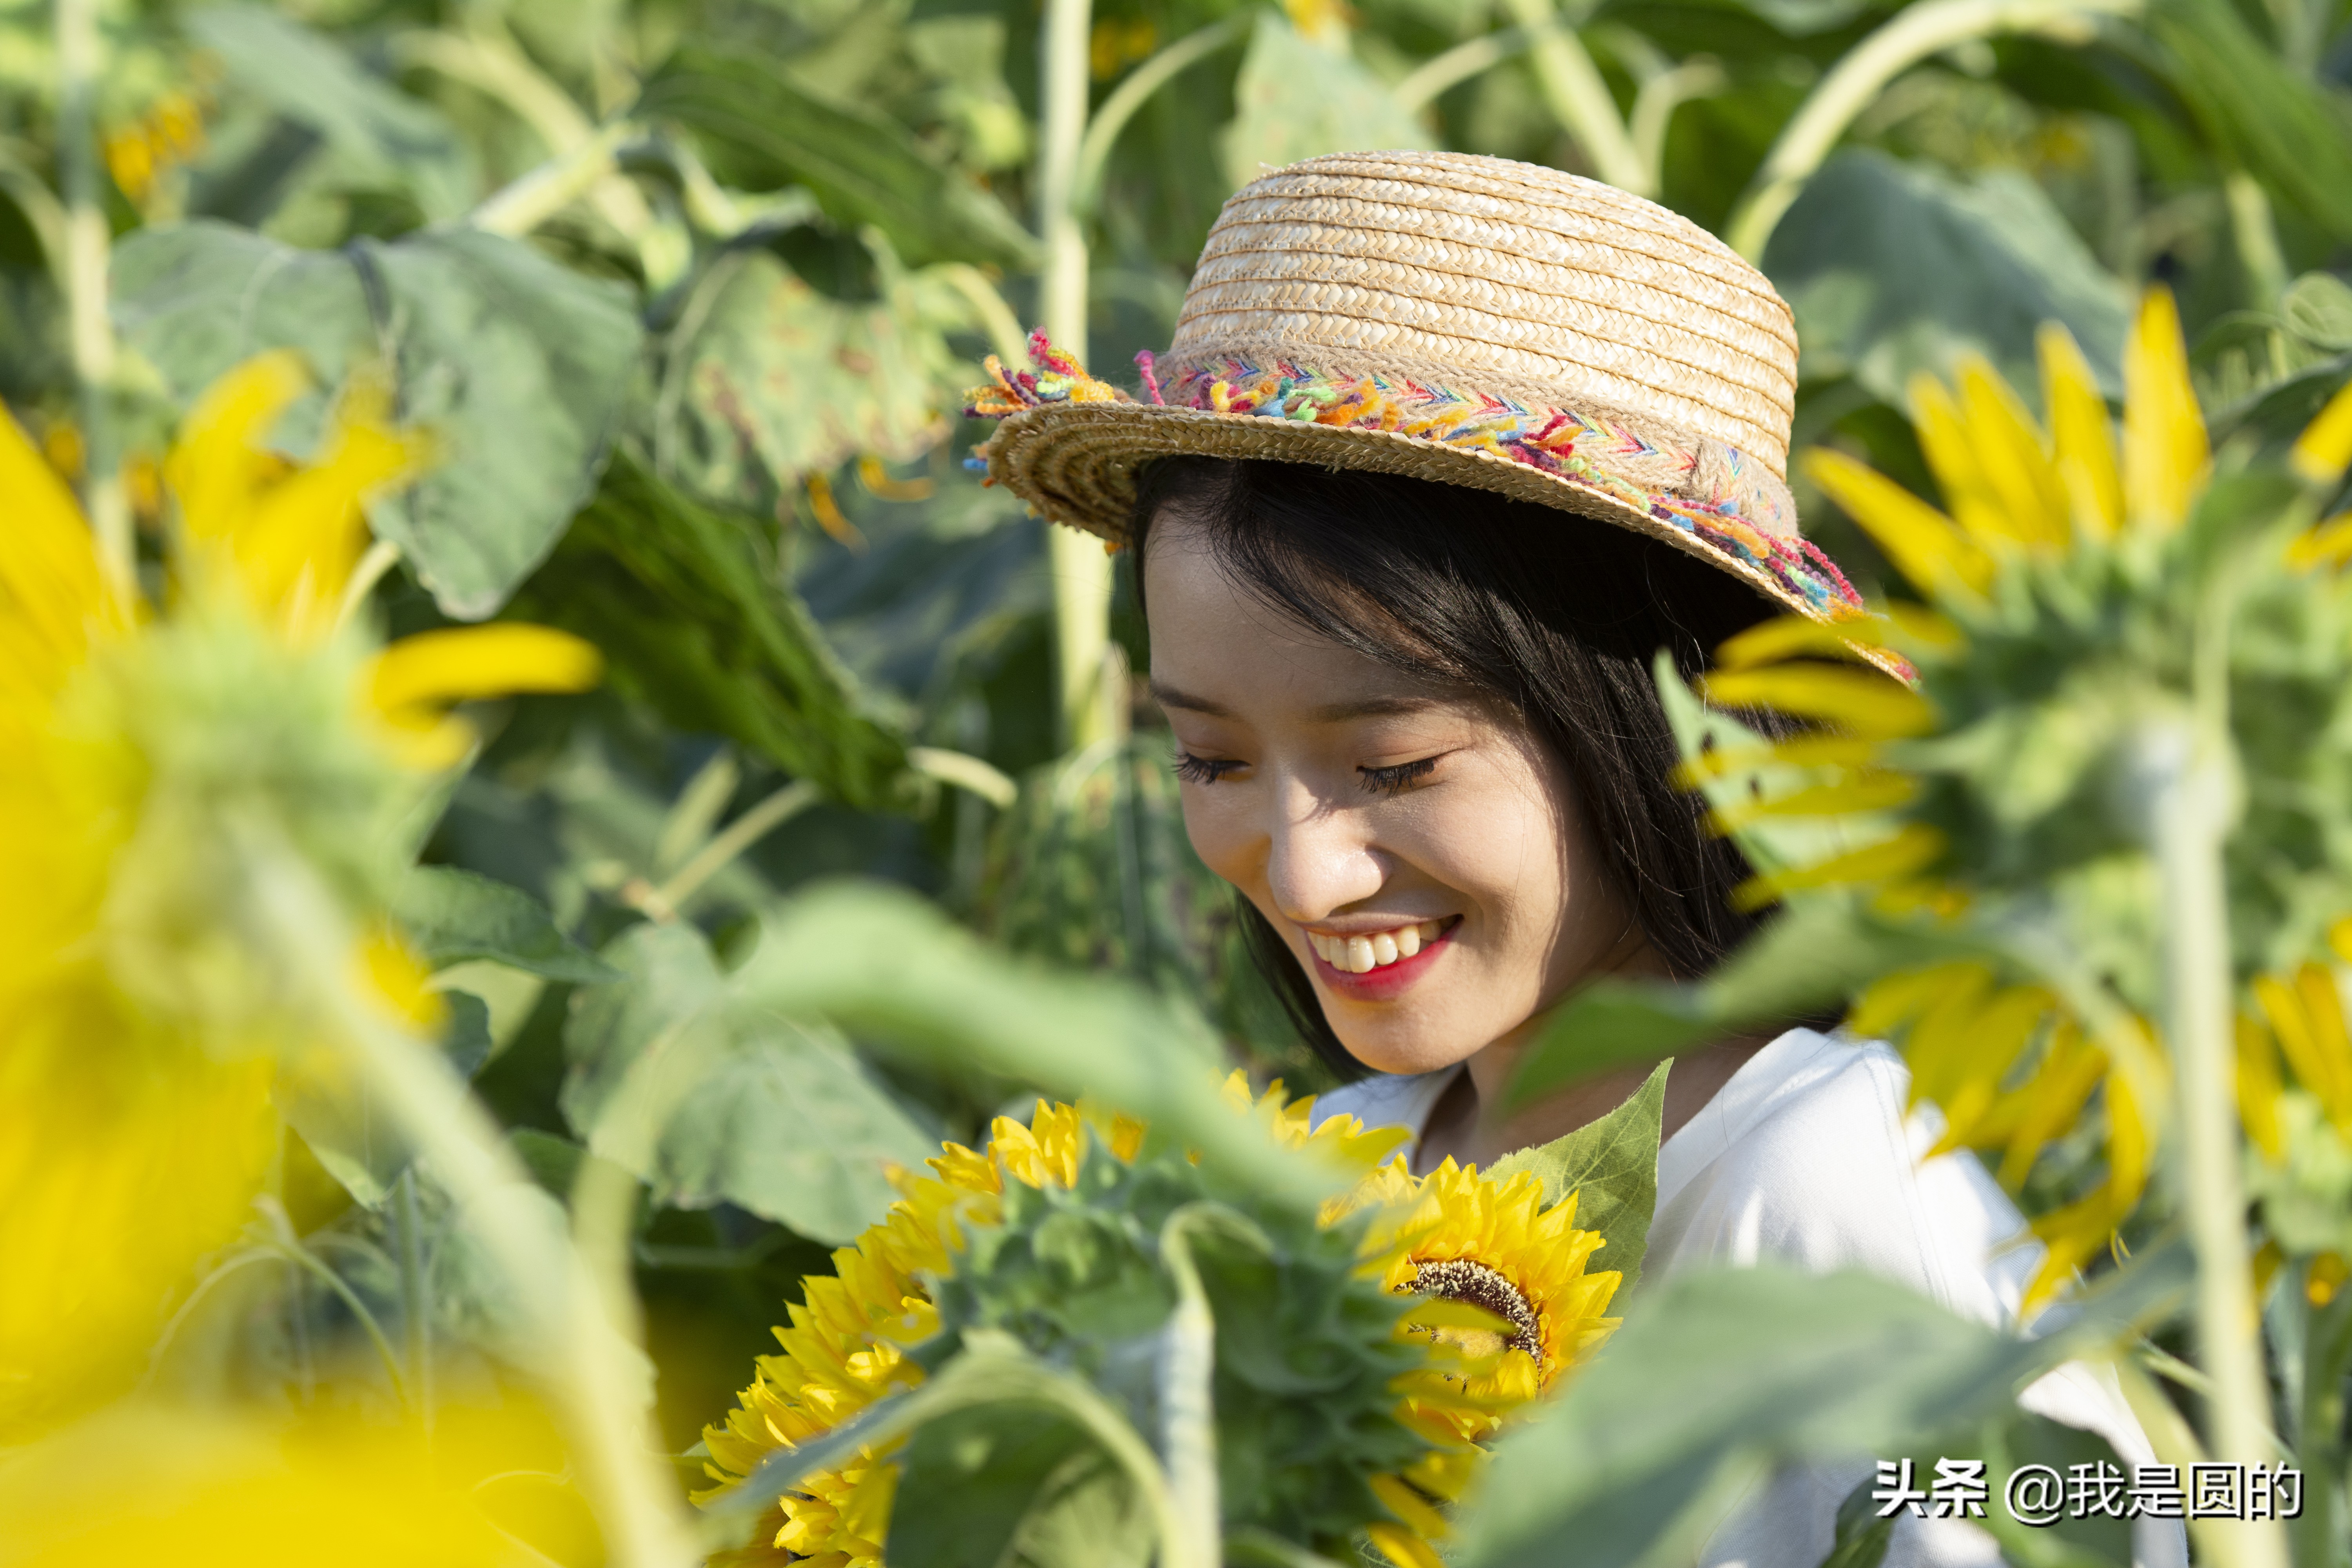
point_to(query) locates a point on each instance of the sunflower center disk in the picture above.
(1462, 1279)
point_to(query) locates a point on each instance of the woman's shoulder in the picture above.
(1811, 1156)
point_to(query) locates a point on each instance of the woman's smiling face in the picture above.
(1419, 853)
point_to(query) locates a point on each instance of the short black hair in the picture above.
(1557, 616)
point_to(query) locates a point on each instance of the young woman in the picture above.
(1447, 449)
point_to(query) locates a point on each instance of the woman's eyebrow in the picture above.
(1168, 696)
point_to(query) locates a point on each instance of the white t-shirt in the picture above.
(1806, 1156)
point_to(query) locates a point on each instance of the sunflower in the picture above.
(1509, 1310)
(1383, 1451)
(153, 756)
(2058, 592)
(845, 1346)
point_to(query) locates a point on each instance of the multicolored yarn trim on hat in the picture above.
(1591, 451)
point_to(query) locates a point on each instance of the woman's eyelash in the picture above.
(1202, 769)
(1390, 780)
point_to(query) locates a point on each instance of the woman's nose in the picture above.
(1319, 859)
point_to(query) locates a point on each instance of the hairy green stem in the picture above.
(1081, 571)
(530, 199)
(664, 902)
(2319, 1426)
(1579, 99)
(1863, 72)
(2189, 816)
(598, 1394)
(416, 1299)
(1133, 91)
(1188, 1368)
(87, 241)
(1458, 65)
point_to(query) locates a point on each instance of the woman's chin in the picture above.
(1405, 1053)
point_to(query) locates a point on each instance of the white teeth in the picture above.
(1362, 955)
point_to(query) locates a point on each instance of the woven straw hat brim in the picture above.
(1076, 463)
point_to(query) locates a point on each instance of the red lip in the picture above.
(1389, 980)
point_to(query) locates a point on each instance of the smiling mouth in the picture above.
(1362, 953)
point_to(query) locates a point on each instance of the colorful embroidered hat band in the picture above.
(1464, 319)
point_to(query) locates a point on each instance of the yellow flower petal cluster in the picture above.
(2011, 1067)
(842, 1350)
(137, 1044)
(1453, 1236)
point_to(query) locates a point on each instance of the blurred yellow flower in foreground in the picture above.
(212, 1489)
(162, 765)
(2053, 582)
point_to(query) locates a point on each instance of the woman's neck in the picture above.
(1470, 1124)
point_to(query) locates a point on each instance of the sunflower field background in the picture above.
(532, 776)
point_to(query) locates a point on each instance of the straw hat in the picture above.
(1462, 319)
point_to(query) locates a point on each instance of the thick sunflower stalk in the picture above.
(1306, 1379)
(2114, 799)
(216, 794)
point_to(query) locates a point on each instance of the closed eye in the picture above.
(1204, 769)
(1398, 778)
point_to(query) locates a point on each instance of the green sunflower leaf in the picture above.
(711, 1101)
(762, 130)
(455, 916)
(1611, 1166)
(517, 366)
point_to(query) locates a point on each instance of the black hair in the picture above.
(1557, 616)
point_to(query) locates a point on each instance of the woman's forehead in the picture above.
(1220, 650)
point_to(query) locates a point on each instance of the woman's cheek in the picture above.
(1213, 821)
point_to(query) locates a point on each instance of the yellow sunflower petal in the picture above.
(464, 663)
(1403, 1548)
(2081, 434)
(1784, 636)
(2324, 450)
(1913, 848)
(2013, 459)
(1928, 548)
(1874, 791)
(219, 460)
(2328, 544)
(1398, 1496)
(50, 583)
(2165, 449)
(1862, 701)
(2259, 1089)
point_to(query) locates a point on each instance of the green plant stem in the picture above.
(991, 1369)
(1457, 65)
(1654, 106)
(2256, 234)
(1133, 91)
(1188, 1369)
(304, 1261)
(87, 241)
(1910, 37)
(2319, 1426)
(415, 1303)
(2190, 817)
(1081, 570)
(530, 199)
(1579, 99)
(599, 1397)
(996, 317)
(965, 772)
(738, 836)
